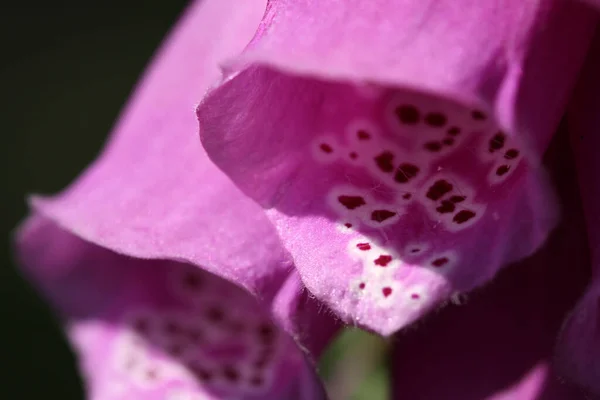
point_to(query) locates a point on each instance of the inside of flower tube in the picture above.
(389, 199)
(210, 333)
(143, 328)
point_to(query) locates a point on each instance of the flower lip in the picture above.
(354, 140)
(152, 327)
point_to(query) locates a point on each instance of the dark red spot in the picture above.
(436, 119)
(446, 207)
(478, 115)
(201, 373)
(151, 374)
(175, 349)
(326, 148)
(457, 199)
(497, 142)
(231, 374)
(406, 172)
(262, 361)
(195, 335)
(448, 141)
(172, 328)
(502, 170)
(192, 280)
(463, 216)
(408, 114)
(406, 196)
(256, 381)
(361, 285)
(348, 225)
(385, 161)
(511, 154)
(353, 155)
(266, 333)
(415, 250)
(141, 325)
(387, 291)
(130, 363)
(439, 262)
(433, 146)
(454, 131)
(363, 135)
(415, 296)
(236, 326)
(364, 246)
(439, 189)
(383, 260)
(215, 314)
(351, 202)
(381, 215)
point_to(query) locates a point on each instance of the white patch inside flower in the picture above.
(346, 226)
(415, 297)
(386, 292)
(359, 247)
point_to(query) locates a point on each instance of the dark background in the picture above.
(66, 69)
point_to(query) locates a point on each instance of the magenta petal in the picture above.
(594, 2)
(397, 143)
(578, 350)
(152, 194)
(300, 314)
(155, 329)
(498, 345)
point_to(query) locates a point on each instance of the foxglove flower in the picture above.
(400, 151)
(396, 145)
(171, 283)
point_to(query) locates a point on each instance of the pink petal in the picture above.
(396, 144)
(156, 329)
(498, 344)
(579, 345)
(152, 194)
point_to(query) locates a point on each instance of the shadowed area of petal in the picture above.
(154, 329)
(594, 3)
(578, 350)
(498, 344)
(399, 157)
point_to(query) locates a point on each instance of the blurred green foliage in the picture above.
(67, 69)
